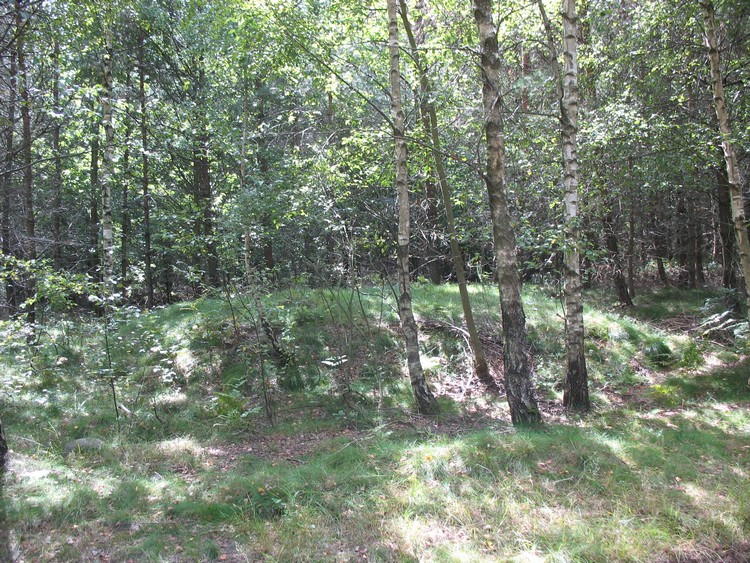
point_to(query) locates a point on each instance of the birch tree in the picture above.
(426, 402)
(145, 177)
(730, 155)
(518, 375)
(106, 171)
(576, 395)
(24, 95)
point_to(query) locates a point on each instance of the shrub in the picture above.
(658, 353)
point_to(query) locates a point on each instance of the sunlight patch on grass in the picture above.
(165, 457)
(185, 362)
(417, 535)
(180, 446)
(39, 486)
(712, 508)
(171, 397)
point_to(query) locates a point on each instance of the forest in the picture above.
(407, 280)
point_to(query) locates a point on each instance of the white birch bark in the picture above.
(576, 395)
(426, 403)
(108, 282)
(730, 155)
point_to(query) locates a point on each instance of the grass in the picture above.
(198, 472)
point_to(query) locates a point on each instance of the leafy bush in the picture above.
(658, 353)
(691, 356)
(229, 404)
(291, 380)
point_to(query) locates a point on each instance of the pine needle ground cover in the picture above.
(222, 449)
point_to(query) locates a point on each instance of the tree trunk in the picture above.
(416, 40)
(631, 245)
(28, 177)
(5, 547)
(126, 224)
(430, 124)
(3, 452)
(264, 169)
(525, 73)
(660, 244)
(57, 210)
(576, 396)
(683, 278)
(700, 276)
(621, 284)
(662, 272)
(245, 132)
(106, 172)
(202, 194)
(268, 257)
(733, 171)
(166, 273)
(202, 198)
(147, 253)
(726, 236)
(691, 243)
(11, 286)
(518, 375)
(434, 256)
(93, 257)
(426, 402)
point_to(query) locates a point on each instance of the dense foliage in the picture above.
(204, 225)
(272, 120)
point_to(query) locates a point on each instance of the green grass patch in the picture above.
(218, 455)
(725, 384)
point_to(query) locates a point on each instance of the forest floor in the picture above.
(222, 450)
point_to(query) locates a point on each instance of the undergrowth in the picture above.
(220, 448)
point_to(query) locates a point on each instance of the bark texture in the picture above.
(148, 255)
(613, 247)
(202, 189)
(576, 396)
(518, 376)
(27, 175)
(57, 210)
(11, 287)
(108, 282)
(730, 156)
(426, 402)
